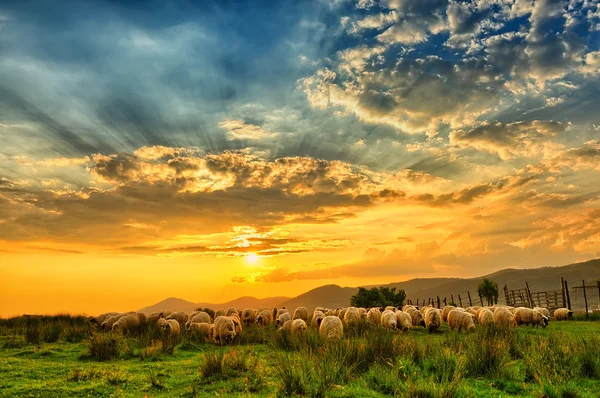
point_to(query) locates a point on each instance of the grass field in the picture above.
(560, 361)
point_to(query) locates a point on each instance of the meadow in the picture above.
(59, 356)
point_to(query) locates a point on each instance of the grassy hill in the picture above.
(175, 304)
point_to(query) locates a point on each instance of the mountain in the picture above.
(175, 304)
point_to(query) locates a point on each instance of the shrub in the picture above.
(104, 347)
(32, 330)
(51, 332)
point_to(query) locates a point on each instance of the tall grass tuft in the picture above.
(104, 347)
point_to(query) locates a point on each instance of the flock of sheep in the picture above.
(227, 325)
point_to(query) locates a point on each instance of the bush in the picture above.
(51, 332)
(32, 330)
(104, 347)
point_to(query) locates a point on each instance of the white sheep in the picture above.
(331, 328)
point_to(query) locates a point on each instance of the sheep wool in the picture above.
(528, 316)
(352, 316)
(460, 320)
(374, 316)
(171, 327)
(388, 319)
(301, 313)
(331, 328)
(403, 320)
(298, 326)
(562, 314)
(485, 317)
(224, 329)
(248, 316)
(433, 319)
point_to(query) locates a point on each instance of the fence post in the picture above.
(568, 295)
(562, 288)
(460, 300)
(452, 299)
(445, 301)
(438, 302)
(529, 296)
(470, 302)
(585, 299)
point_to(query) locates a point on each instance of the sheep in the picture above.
(286, 327)
(248, 316)
(485, 317)
(362, 313)
(446, 310)
(316, 320)
(389, 308)
(219, 312)
(200, 317)
(543, 311)
(407, 306)
(528, 316)
(374, 316)
(237, 324)
(180, 316)
(264, 318)
(433, 319)
(424, 309)
(352, 316)
(301, 313)
(502, 316)
(403, 320)
(109, 321)
(232, 311)
(98, 320)
(471, 311)
(331, 328)
(342, 313)
(224, 330)
(171, 327)
(201, 329)
(278, 312)
(153, 318)
(460, 320)
(298, 326)
(126, 324)
(416, 316)
(283, 318)
(388, 319)
(561, 314)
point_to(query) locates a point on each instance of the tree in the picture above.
(378, 297)
(488, 289)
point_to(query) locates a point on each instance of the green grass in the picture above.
(562, 360)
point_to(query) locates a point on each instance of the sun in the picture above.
(252, 258)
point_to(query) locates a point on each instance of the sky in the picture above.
(211, 150)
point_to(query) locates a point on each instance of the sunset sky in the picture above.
(208, 151)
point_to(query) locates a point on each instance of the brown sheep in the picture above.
(109, 321)
(153, 318)
(461, 320)
(485, 317)
(264, 318)
(528, 316)
(126, 324)
(502, 316)
(248, 316)
(317, 319)
(283, 318)
(201, 330)
(562, 314)
(374, 316)
(219, 312)
(238, 325)
(224, 330)
(403, 320)
(433, 319)
(298, 326)
(286, 327)
(352, 316)
(417, 317)
(543, 311)
(171, 327)
(362, 313)
(232, 311)
(180, 316)
(200, 317)
(331, 328)
(98, 320)
(446, 310)
(301, 313)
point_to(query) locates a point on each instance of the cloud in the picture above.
(239, 130)
(508, 140)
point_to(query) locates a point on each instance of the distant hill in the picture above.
(175, 304)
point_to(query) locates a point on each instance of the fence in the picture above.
(587, 295)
